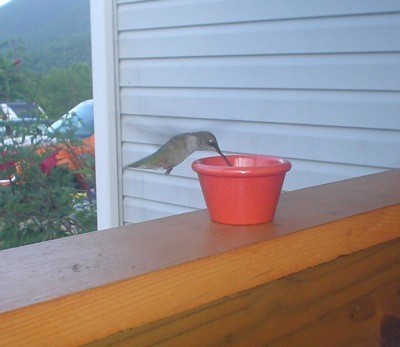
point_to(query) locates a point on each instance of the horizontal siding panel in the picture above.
(155, 195)
(134, 15)
(155, 185)
(137, 210)
(158, 195)
(378, 110)
(302, 175)
(157, 130)
(308, 173)
(315, 82)
(328, 35)
(329, 144)
(168, 189)
(336, 72)
(130, 1)
(309, 169)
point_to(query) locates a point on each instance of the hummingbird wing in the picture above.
(172, 153)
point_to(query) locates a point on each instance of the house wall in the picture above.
(315, 82)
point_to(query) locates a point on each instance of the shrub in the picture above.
(43, 205)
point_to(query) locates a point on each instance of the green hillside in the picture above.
(47, 33)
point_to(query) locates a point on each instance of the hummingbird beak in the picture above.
(222, 155)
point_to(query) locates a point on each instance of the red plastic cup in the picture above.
(245, 193)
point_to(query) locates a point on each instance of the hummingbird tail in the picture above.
(147, 163)
(140, 164)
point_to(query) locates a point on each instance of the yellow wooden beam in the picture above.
(350, 301)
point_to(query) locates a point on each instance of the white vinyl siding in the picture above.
(313, 81)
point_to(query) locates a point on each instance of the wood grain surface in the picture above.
(79, 289)
(351, 301)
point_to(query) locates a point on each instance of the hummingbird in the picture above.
(177, 149)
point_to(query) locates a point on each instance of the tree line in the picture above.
(56, 90)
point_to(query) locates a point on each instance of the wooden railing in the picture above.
(325, 271)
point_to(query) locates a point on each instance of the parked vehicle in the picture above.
(79, 121)
(19, 114)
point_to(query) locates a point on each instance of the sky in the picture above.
(2, 2)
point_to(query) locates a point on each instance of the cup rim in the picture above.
(279, 166)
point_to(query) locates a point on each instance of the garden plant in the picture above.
(40, 204)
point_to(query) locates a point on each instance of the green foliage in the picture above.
(60, 53)
(56, 91)
(61, 89)
(11, 79)
(42, 206)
